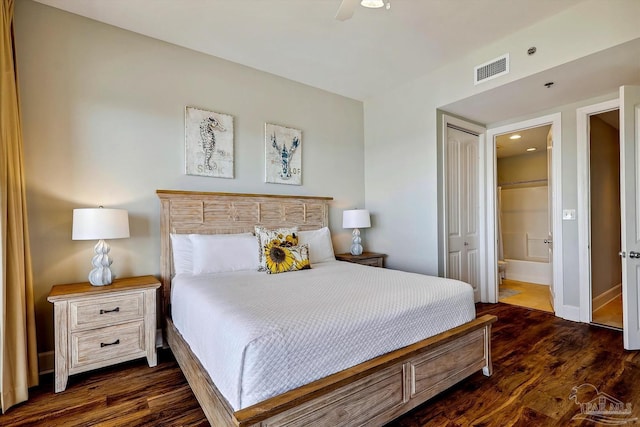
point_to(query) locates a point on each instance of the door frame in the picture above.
(444, 229)
(557, 288)
(584, 197)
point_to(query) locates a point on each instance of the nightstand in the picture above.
(367, 258)
(98, 326)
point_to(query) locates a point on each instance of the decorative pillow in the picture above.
(320, 245)
(219, 253)
(284, 237)
(280, 259)
(182, 251)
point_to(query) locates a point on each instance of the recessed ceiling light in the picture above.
(372, 3)
(516, 136)
(531, 149)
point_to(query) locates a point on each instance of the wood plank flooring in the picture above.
(537, 360)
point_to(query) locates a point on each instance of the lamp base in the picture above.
(101, 275)
(356, 247)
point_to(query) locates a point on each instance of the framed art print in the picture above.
(208, 143)
(283, 155)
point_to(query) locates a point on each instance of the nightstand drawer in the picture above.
(91, 313)
(107, 344)
(375, 262)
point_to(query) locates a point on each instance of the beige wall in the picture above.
(103, 118)
(606, 268)
(526, 167)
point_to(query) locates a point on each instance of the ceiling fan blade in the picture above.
(345, 11)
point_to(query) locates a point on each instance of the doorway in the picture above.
(605, 229)
(628, 105)
(531, 244)
(523, 213)
(602, 223)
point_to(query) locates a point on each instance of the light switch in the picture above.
(569, 214)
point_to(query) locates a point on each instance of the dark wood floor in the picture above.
(537, 360)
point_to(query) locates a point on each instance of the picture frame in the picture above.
(283, 155)
(208, 143)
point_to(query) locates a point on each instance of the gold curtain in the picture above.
(18, 353)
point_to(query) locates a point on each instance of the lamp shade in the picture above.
(100, 223)
(356, 218)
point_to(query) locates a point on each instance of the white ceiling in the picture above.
(375, 50)
(598, 74)
(529, 138)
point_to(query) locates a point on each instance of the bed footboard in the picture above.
(371, 393)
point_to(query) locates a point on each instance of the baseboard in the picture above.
(606, 297)
(159, 340)
(46, 362)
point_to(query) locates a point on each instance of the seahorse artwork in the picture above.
(208, 143)
(285, 155)
(208, 138)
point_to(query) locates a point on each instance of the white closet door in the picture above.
(463, 261)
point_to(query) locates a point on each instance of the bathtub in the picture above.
(540, 273)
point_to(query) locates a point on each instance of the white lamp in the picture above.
(100, 224)
(356, 218)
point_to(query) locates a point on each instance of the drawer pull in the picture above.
(115, 310)
(116, 342)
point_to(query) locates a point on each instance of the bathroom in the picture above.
(523, 220)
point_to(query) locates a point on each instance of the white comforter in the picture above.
(259, 335)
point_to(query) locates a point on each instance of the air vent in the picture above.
(492, 69)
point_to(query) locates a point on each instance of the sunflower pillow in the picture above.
(280, 259)
(280, 237)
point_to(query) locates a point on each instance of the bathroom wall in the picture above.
(525, 222)
(526, 167)
(524, 207)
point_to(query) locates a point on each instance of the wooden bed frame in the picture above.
(371, 393)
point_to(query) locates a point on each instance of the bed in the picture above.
(371, 392)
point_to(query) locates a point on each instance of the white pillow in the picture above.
(182, 250)
(219, 253)
(320, 246)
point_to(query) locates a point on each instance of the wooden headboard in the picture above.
(192, 212)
